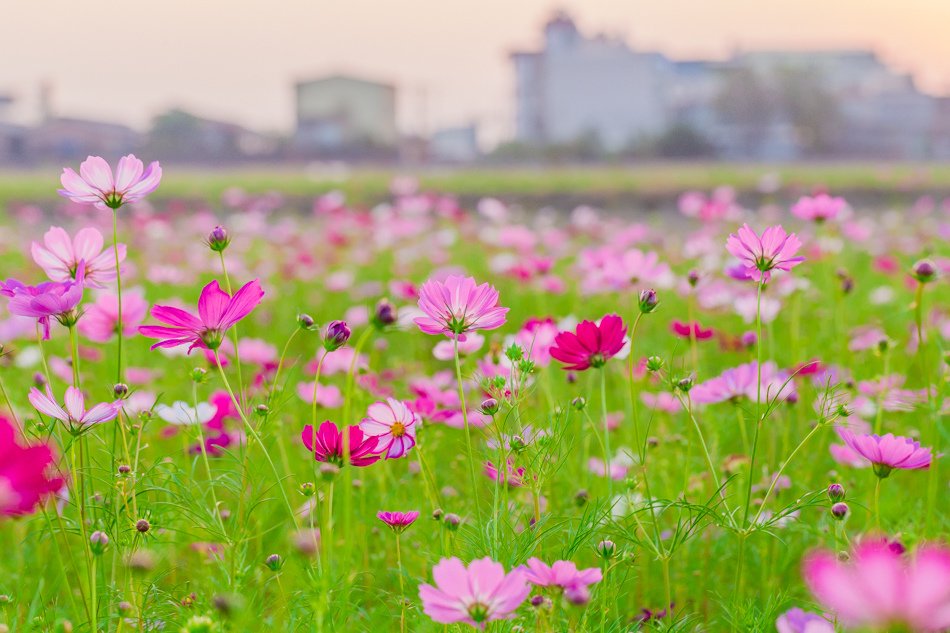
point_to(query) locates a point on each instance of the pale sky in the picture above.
(126, 60)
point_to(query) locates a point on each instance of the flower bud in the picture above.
(654, 364)
(748, 339)
(328, 472)
(385, 314)
(305, 321)
(836, 492)
(606, 549)
(839, 510)
(142, 526)
(336, 335)
(218, 239)
(685, 384)
(648, 301)
(579, 403)
(518, 444)
(692, 277)
(437, 514)
(199, 375)
(307, 489)
(581, 497)
(98, 541)
(124, 469)
(924, 271)
(262, 410)
(452, 521)
(489, 406)
(274, 562)
(120, 390)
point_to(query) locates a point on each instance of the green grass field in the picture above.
(604, 182)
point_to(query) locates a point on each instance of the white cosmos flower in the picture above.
(181, 414)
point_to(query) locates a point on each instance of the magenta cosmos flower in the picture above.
(457, 305)
(819, 209)
(60, 255)
(74, 414)
(774, 250)
(393, 424)
(690, 330)
(398, 521)
(591, 344)
(57, 299)
(326, 444)
(24, 478)
(217, 313)
(880, 589)
(562, 573)
(887, 452)
(475, 595)
(96, 185)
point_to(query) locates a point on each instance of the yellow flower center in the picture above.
(398, 429)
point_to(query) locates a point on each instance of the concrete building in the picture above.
(345, 116)
(67, 139)
(455, 144)
(579, 87)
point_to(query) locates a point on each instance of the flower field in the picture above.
(416, 415)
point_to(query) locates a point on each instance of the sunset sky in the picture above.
(126, 61)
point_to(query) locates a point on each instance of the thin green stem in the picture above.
(257, 438)
(603, 410)
(468, 432)
(120, 374)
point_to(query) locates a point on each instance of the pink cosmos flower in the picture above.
(398, 521)
(59, 257)
(591, 344)
(457, 306)
(217, 313)
(562, 573)
(514, 477)
(100, 321)
(880, 589)
(798, 621)
(536, 337)
(476, 595)
(96, 185)
(24, 478)
(887, 452)
(49, 299)
(774, 250)
(818, 209)
(328, 446)
(74, 414)
(689, 330)
(393, 424)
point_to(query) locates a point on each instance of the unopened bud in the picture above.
(606, 549)
(836, 492)
(142, 526)
(120, 390)
(305, 321)
(924, 271)
(654, 364)
(336, 335)
(307, 489)
(328, 472)
(218, 239)
(579, 403)
(274, 562)
(839, 510)
(648, 301)
(452, 521)
(98, 541)
(489, 406)
(384, 314)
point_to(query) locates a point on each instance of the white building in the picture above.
(340, 113)
(578, 87)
